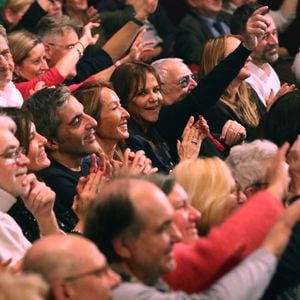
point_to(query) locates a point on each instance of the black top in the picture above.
(63, 182)
(173, 118)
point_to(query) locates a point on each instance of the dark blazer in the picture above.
(192, 34)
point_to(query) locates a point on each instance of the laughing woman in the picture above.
(139, 89)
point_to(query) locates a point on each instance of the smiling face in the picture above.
(76, 133)
(146, 105)
(34, 64)
(6, 63)
(37, 156)
(113, 117)
(13, 171)
(267, 47)
(185, 215)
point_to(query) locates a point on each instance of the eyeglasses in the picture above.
(14, 154)
(97, 272)
(66, 47)
(184, 81)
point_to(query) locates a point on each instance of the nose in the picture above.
(90, 122)
(192, 84)
(175, 234)
(44, 65)
(41, 139)
(125, 113)
(22, 160)
(273, 39)
(194, 214)
(114, 279)
(242, 198)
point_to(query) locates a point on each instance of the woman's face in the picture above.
(231, 44)
(146, 105)
(235, 199)
(186, 216)
(34, 64)
(37, 156)
(112, 123)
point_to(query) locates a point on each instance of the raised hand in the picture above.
(139, 48)
(87, 37)
(256, 27)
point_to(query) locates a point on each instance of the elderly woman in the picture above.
(210, 188)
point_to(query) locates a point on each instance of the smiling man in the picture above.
(71, 136)
(15, 182)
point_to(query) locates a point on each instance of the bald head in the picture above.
(59, 256)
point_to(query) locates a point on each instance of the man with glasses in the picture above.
(73, 266)
(15, 182)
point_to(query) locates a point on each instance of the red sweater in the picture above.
(203, 262)
(51, 78)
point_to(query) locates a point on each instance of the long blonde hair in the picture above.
(208, 185)
(241, 103)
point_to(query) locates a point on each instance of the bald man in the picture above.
(73, 266)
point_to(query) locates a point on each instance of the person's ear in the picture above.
(48, 51)
(121, 247)
(249, 191)
(60, 290)
(51, 145)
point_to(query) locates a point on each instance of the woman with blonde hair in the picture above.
(210, 188)
(239, 102)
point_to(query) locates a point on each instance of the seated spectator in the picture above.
(58, 34)
(282, 122)
(102, 103)
(31, 66)
(211, 189)
(203, 21)
(125, 245)
(22, 287)
(263, 79)
(13, 11)
(282, 17)
(249, 163)
(16, 182)
(70, 270)
(70, 135)
(9, 95)
(239, 102)
(139, 93)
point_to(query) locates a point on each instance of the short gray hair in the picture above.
(245, 161)
(162, 66)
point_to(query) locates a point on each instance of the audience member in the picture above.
(128, 239)
(70, 135)
(263, 79)
(16, 182)
(9, 95)
(239, 102)
(211, 189)
(203, 21)
(73, 267)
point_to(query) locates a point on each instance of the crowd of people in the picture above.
(147, 156)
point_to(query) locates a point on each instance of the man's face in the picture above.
(207, 8)
(151, 252)
(13, 167)
(76, 133)
(94, 279)
(6, 63)
(179, 82)
(266, 50)
(56, 46)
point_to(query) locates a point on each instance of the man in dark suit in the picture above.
(203, 21)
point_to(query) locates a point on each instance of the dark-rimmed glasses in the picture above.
(184, 81)
(66, 47)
